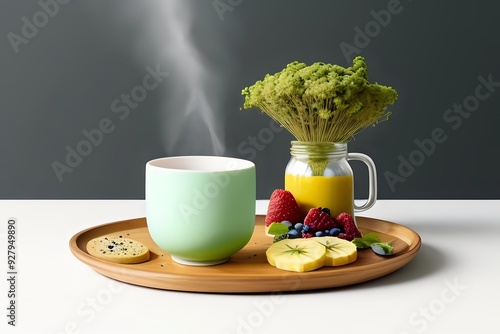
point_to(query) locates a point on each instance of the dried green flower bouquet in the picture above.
(321, 102)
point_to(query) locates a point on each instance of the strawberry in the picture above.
(319, 220)
(346, 222)
(283, 206)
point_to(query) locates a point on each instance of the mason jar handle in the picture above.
(372, 180)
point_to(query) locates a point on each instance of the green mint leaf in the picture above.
(277, 229)
(366, 241)
(359, 243)
(370, 238)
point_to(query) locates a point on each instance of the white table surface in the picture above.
(451, 286)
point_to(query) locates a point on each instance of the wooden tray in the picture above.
(247, 271)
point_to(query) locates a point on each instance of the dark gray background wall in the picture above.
(70, 67)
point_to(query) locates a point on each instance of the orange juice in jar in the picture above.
(318, 175)
(333, 192)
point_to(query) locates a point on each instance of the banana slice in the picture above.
(296, 255)
(338, 251)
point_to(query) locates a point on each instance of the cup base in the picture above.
(198, 263)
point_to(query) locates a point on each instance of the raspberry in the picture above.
(346, 222)
(342, 236)
(307, 235)
(318, 220)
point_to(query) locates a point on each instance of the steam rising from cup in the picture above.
(192, 120)
(169, 33)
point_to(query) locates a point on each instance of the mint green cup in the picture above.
(200, 209)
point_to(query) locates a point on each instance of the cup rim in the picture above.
(206, 163)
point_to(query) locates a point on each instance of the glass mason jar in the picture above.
(318, 175)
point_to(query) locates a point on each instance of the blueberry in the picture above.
(305, 228)
(327, 232)
(292, 234)
(319, 234)
(287, 223)
(334, 232)
(299, 226)
(326, 210)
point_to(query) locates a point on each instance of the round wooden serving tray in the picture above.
(247, 271)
